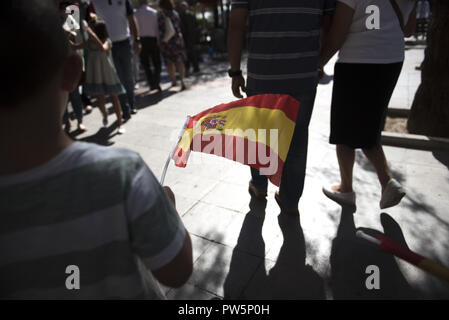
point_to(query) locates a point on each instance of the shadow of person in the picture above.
(290, 278)
(351, 257)
(103, 135)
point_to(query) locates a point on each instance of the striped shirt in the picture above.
(284, 44)
(99, 209)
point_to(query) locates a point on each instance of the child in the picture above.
(101, 77)
(78, 220)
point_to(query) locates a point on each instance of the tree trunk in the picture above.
(430, 109)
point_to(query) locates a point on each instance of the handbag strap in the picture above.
(398, 12)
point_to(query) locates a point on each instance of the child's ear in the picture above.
(71, 72)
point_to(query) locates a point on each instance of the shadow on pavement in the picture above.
(442, 157)
(350, 257)
(147, 99)
(290, 278)
(103, 136)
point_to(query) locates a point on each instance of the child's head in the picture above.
(37, 65)
(99, 27)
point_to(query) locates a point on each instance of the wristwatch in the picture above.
(233, 74)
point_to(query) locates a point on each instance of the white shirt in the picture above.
(115, 13)
(383, 45)
(147, 21)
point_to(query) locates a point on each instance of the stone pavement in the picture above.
(245, 250)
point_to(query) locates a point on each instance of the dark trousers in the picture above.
(294, 171)
(150, 50)
(122, 55)
(192, 58)
(77, 104)
(86, 100)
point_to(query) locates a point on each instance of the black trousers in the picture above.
(192, 58)
(150, 50)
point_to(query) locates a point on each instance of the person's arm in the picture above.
(410, 27)
(107, 45)
(78, 46)
(133, 27)
(157, 233)
(328, 10)
(236, 39)
(341, 22)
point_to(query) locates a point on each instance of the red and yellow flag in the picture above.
(255, 131)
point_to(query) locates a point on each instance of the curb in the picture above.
(414, 141)
(398, 112)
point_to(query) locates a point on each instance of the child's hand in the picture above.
(170, 195)
(105, 47)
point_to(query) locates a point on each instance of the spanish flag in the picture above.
(255, 131)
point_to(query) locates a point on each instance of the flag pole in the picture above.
(172, 152)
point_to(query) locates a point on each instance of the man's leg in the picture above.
(122, 56)
(145, 61)
(195, 59)
(294, 171)
(77, 105)
(258, 180)
(157, 63)
(128, 63)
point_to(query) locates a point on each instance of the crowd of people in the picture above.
(113, 38)
(66, 202)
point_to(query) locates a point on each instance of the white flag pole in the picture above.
(170, 156)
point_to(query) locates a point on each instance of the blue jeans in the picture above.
(294, 171)
(123, 60)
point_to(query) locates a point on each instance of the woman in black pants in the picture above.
(370, 37)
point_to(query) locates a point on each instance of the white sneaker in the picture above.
(392, 195)
(121, 130)
(342, 198)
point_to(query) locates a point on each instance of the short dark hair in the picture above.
(99, 27)
(167, 4)
(34, 47)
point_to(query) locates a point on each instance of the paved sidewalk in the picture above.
(246, 250)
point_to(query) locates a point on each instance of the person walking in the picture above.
(191, 34)
(121, 24)
(368, 67)
(172, 46)
(149, 31)
(101, 77)
(284, 47)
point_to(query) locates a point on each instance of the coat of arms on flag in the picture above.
(256, 131)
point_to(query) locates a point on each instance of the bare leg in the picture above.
(117, 109)
(376, 156)
(346, 158)
(102, 105)
(171, 72)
